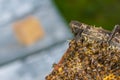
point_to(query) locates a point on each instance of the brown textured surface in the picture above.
(90, 57)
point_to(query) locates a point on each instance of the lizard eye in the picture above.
(75, 30)
(76, 23)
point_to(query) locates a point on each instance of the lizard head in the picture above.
(75, 26)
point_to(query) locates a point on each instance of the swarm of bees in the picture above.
(93, 54)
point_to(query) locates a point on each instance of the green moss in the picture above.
(105, 13)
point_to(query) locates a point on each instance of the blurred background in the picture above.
(94, 12)
(35, 33)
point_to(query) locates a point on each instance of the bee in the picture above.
(115, 30)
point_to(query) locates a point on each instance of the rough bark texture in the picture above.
(90, 57)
